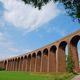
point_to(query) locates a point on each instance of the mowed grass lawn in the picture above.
(4, 75)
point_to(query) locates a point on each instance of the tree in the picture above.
(72, 6)
(70, 63)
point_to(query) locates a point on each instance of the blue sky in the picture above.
(24, 28)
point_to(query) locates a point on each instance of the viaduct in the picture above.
(51, 58)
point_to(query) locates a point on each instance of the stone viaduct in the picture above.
(50, 58)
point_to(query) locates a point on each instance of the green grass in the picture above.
(34, 76)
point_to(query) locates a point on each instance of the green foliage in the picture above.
(72, 6)
(70, 63)
(36, 3)
(2, 69)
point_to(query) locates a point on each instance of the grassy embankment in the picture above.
(35, 76)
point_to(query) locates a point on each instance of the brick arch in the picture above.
(38, 61)
(43, 56)
(61, 57)
(52, 59)
(12, 64)
(5, 64)
(45, 60)
(21, 63)
(74, 51)
(33, 62)
(25, 63)
(2, 64)
(9, 65)
(29, 63)
(15, 64)
(18, 63)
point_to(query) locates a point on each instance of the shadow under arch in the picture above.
(38, 61)
(18, 63)
(25, 63)
(5, 64)
(61, 57)
(9, 65)
(74, 51)
(45, 60)
(29, 63)
(21, 63)
(52, 59)
(33, 62)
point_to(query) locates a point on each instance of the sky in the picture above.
(24, 28)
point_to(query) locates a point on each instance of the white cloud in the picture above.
(4, 45)
(24, 17)
(7, 48)
(27, 17)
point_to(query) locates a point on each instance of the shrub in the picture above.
(70, 63)
(2, 69)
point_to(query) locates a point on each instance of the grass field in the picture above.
(34, 76)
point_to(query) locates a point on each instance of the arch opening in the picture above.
(9, 64)
(25, 57)
(38, 61)
(29, 56)
(63, 45)
(33, 61)
(62, 57)
(5, 65)
(78, 46)
(52, 59)
(66, 52)
(45, 60)
(34, 55)
(45, 52)
(13, 62)
(21, 63)
(29, 63)
(18, 63)
(25, 63)
(53, 49)
(39, 54)
(74, 51)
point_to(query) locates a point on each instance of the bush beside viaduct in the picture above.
(51, 58)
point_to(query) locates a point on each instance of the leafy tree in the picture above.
(72, 6)
(70, 63)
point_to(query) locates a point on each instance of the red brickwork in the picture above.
(51, 58)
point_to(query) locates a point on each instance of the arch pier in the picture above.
(50, 58)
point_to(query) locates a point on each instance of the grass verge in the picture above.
(4, 75)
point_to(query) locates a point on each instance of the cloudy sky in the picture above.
(24, 28)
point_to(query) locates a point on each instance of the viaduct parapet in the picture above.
(51, 58)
